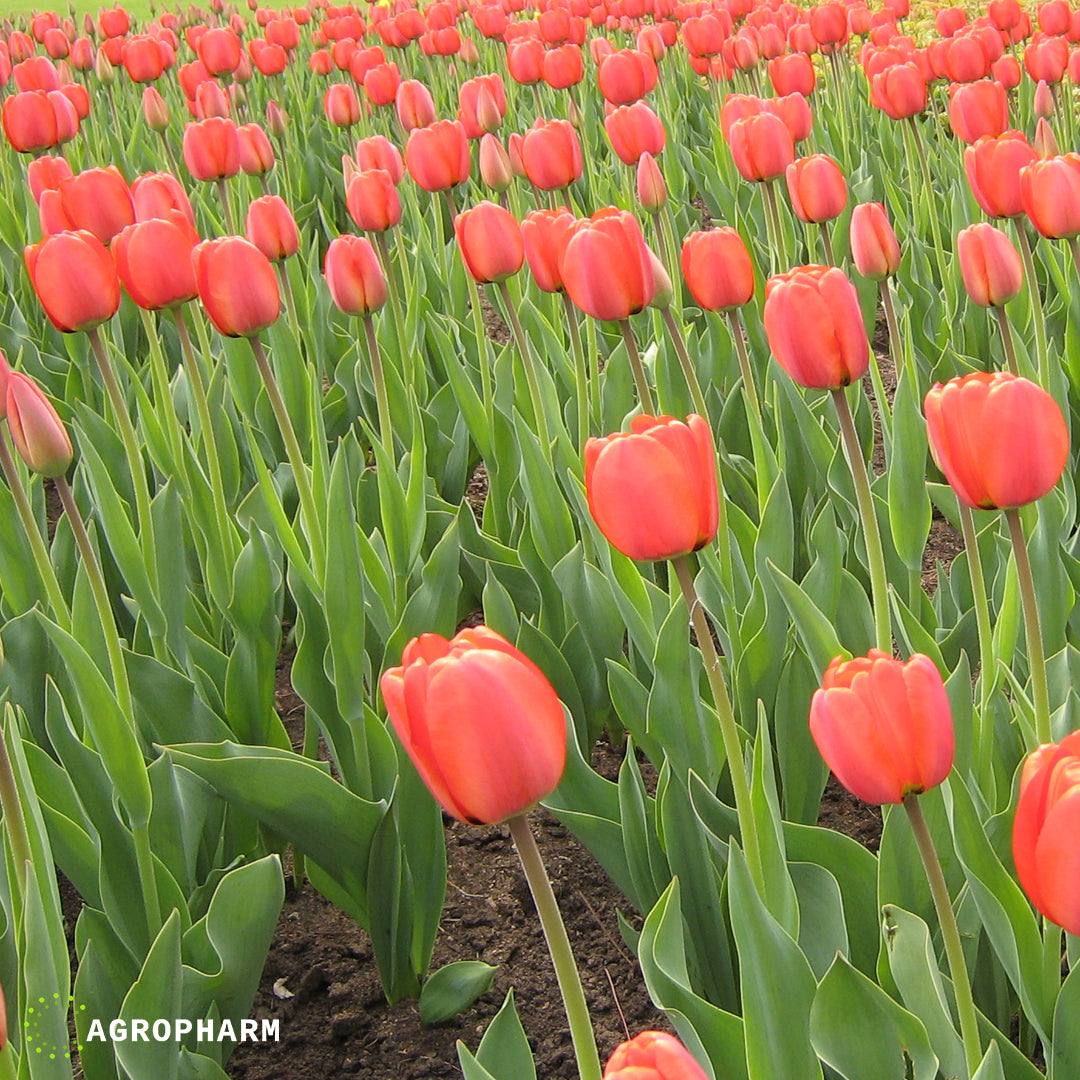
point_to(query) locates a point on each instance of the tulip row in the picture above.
(228, 486)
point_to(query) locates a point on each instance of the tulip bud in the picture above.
(663, 290)
(884, 727)
(1045, 142)
(817, 188)
(874, 247)
(276, 119)
(717, 269)
(237, 286)
(155, 111)
(465, 709)
(495, 170)
(1044, 100)
(990, 265)
(103, 69)
(490, 242)
(36, 430)
(271, 227)
(651, 186)
(652, 1055)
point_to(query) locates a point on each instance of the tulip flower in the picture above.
(652, 1055)
(45, 174)
(815, 327)
(354, 275)
(480, 722)
(993, 274)
(551, 154)
(626, 75)
(1050, 195)
(899, 91)
(414, 105)
(219, 50)
(490, 242)
(874, 247)
(97, 200)
(153, 261)
(212, 148)
(650, 184)
(792, 73)
(75, 280)
(29, 121)
(762, 146)
(977, 109)
(1046, 831)
(544, 234)
(717, 269)
(1000, 439)
(634, 130)
(271, 227)
(237, 286)
(256, 153)
(36, 430)
(155, 194)
(341, 105)
(495, 169)
(653, 491)
(437, 156)
(993, 167)
(378, 152)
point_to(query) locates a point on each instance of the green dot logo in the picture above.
(37, 1039)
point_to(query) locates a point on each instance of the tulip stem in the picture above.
(385, 429)
(530, 367)
(1074, 251)
(562, 955)
(950, 933)
(747, 372)
(292, 449)
(726, 714)
(160, 377)
(60, 610)
(826, 241)
(895, 347)
(1006, 338)
(777, 256)
(223, 194)
(408, 356)
(483, 350)
(685, 363)
(1032, 629)
(581, 373)
(928, 187)
(879, 582)
(644, 393)
(1035, 295)
(14, 821)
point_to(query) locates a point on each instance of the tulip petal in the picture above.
(1057, 856)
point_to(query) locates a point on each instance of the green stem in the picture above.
(14, 821)
(987, 664)
(408, 357)
(44, 565)
(895, 348)
(826, 240)
(1006, 337)
(160, 376)
(581, 374)
(562, 956)
(290, 299)
(385, 429)
(749, 383)
(1035, 296)
(729, 731)
(223, 194)
(296, 457)
(144, 857)
(777, 256)
(1032, 629)
(483, 356)
(644, 393)
(529, 363)
(1074, 251)
(928, 187)
(685, 363)
(950, 933)
(101, 599)
(879, 582)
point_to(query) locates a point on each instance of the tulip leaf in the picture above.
(453, 988)
(816, 632)
(504, 1049)
(471, 1068)
(859, 1031)
(909, 504)
(637, 815)
(990, 1068)
(1065, 1048)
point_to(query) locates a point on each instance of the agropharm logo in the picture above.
(180, 1029)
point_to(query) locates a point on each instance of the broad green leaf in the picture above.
(453, 988)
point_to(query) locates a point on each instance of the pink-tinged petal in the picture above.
(1057, 858)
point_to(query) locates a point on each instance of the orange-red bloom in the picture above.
(634, 130)
(1046, 831)
(354, 275)
(626, 75)
(993, 167)
(480, 722)
(606, 267)
(717, 269)
(1050, 195)
(817, 188)
(372, 200)
(884, 727)
(990, 265)
(545, 233)
(153, 261)
(762, 146)
(977, 109)
(97, 200)
(652, 1055)
(75, 280)
(899, 91)
(1000, 439)
(490, 242)
(38, 433)
(29, 121)
(437, 156)
(237, 285)
(875, 251)
(212, 148)
(551, 154)
(271, 227)
(652, 491)
(815, 327)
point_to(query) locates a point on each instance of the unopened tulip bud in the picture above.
(105, 72)
(36, 430)
(349, 168)
(513, 150)
(664, 291)
(276, 119)
(1045, 143)
(155, 111)
(651, 186)
(1044, 100)
(991, 267)
(468, 52)
(575, 116)
(495, 168)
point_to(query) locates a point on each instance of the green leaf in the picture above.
(859, 1031)
(504, 1049)
(1065, 1049)
(817, 633)
(909, 504)
(990, 1067)
(470, 1067)
(777, 985)
(452, 988)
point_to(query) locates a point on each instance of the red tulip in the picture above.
(153, 261)
(990, 265)
(372, 200)
(551, 154)
(1046, 59)
(36, 73)
(75, 280)
(884, 727)
(650, 184)
(496, 171)
(762, 146)
(219, 50)
(155, 109)
(817, 188)
(381, 84)
(114, 23)
(1046, 831)
(155, 194)
(490, 242)
(237, 285)
(29, 121)
(1050, 195)
(482, 105)
(271, 227)
(899, 91)
(1006, 70)
(977, 109)
(36, 430)
(1000, 439)
(212, 148)
(634, 130)
(414, 105)
(437, 156)
(717, 269)
(653, 491)
(142, 59)
(341, 105)
(874, 247)
(45, 174)
(354, 275)
(605, 266)
(378, 152)
(652, 1055)
(626, 75)
(256, 153)
(815, 327)
(993, 167)
(545, 233)
(480, 722)
(563, 67)
(97, 200)
(792, 73)
(525, 61)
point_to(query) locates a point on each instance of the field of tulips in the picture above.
(520, 376)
